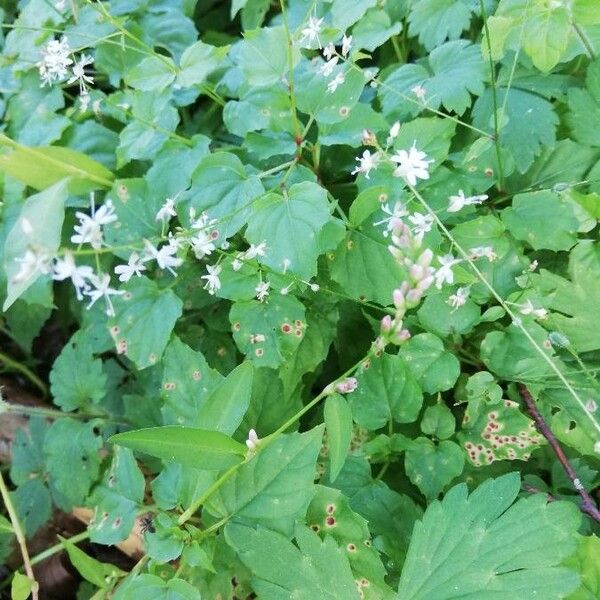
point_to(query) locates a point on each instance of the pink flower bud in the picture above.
(399, 300)
(416, 272)
(386, 323)
(426, 257)
(347, 386)
(404, 287)
(413, 297)
(425, 283)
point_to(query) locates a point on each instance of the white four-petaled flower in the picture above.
(101, 289)
(412, 164)
(134, 266)
(167, 210)
(213, 283)
(335, 82)
(79, 73)
(65, 268)
(262, 290)
(311, 32)
(459, 298)
(89, 229)
(367, 162)
(460, 201)
(422, 224)
(165, 256)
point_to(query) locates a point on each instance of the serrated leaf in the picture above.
(33, 505)
(38, 230)
(587, 563)
(289, 225)
(275, 487)
(314, 569)
(584, 108)
(188, 446)
(338, 424)
(143, 321)
(434, 21)
(198, 61)
(460, 548)
(387, 391)
(152, 586)
(153, 73)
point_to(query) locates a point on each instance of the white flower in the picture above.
(394, 130)
(252, 441)
(167, 210)
(79, 73)
(164, 257)
(31, 262)
(202, 222)
(329, 51)
(459, 298)
(311, 32)
(134, 266)
(326, 69)
(528, 309)
(346, 386)
(395, 217)
(236, 264)
(60, 4)
(55, 61)
(262, 290)
(419, 92)
(65, 268)
(444, 274)
(202, 244)
(89, 229)
(101, 289)
(213, 283)
(368, 162)
(483, 252)
(460, 201)
(335, 82)
(412, 165)
(422, 224)
(255, 251)
(346, 45)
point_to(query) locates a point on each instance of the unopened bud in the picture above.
(368, 138)
(426, 257)
(413, 297)
(347, 386)
(425, 283)
(386, 324)
(395, 130)
(416, 272)
(399, 299)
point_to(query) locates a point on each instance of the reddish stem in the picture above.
(587, 504)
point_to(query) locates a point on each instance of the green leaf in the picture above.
(435, 368)
(262, 56)
(275, 487)
(188, 446)
(21, 586)
(222, 188)
(452, 72)
(586, 562)
(152, 74)
(52, 165)
(431, 135)
(289, 224)
(38, 230)
(434, 21)
(459, 549)
(77, 378)
(72, 459)
(387, 391)
(198, 61)
(546, 36)
(432, 467)
(338, 424)
(312, 569)
(438, 421)
(152, 586)
(543, 220)
(584, 108)
(437, 316)
(280, 321)
(145, 317)
(33, 505)
(374, 29)
(92, 570)
(527, 123)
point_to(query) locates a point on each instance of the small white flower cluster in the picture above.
(459, 201)
(250, 254)
(54, 67)
(527, 308)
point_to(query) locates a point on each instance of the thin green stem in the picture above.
(585, 41)
(16, 525)
(38, 558)
(494, 97)
(15, 365)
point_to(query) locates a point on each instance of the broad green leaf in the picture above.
(27, 456)
(527, 123)
(145, 317)
(436, 369)
(188, 446)
(52, 165)
(587, 563)
(451, 74)
(289, 224)
(89, 568)
(275, 487)
(21, 586)
(198, 61)
(431, 467)
(329, 514)
(479, 546)
(584, 108)
(542, 219)
(33, 505)
(387, 391)
(268, 333)
(434, 21)
(338, 424)
(155, 588)
(345, 13)
(545, 37)
(494, 428)
(165, 543)
(177, 485)
(222, 188)
(37, 230)
(72, 460)
(77, 379)
(262, 56)
(438, 421)
(153, 73)
(437, 316)
(282, 570)
(572, 300)
(374, 29)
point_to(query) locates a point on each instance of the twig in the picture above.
(16, 525)
(588, 505)
(533, 490)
